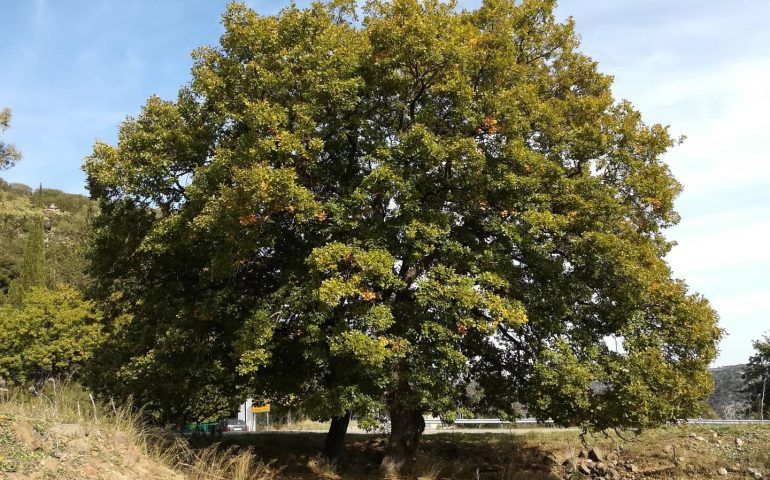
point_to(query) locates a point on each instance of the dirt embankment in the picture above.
(35, 449)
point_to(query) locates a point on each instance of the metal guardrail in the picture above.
(533, 421)
(721, 421)
(497, 421)
(486, 421)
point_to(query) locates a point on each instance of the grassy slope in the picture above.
(60, 434)
(56, 436)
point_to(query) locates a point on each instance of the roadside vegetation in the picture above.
(57, 432)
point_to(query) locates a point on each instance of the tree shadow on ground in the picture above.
(441, 456)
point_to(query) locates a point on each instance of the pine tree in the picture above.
(33, 266)
(33, 263)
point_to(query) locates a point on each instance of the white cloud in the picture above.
(718, 245)
(724, 115)
(715, 92)
(745, 304)
(744, 318)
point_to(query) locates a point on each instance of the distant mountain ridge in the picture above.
(728, 399)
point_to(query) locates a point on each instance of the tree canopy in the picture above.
(357, 215)
(50, 333)
(8, 153)
(44, 332)
(757, 378)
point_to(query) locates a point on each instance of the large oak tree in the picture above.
(357, 215)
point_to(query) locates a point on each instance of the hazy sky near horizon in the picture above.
(72, 71)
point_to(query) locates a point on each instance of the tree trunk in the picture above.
(334, 445)
(406, 427)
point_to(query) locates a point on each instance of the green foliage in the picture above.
(16, 214)
(757, 377)
(180, 378)
(8, 153)
(51, 333)
(47, 327)
(65, 229)
(32, 264)
(33, 261)
(354, 215)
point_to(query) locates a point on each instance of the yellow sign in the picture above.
(260, 407)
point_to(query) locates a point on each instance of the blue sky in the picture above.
(71, 71)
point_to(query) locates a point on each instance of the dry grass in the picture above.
(72, 436)
(214, 463)
(510, 455)
(111, 442)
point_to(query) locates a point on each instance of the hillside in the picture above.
(728, 401)
(66, 219)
